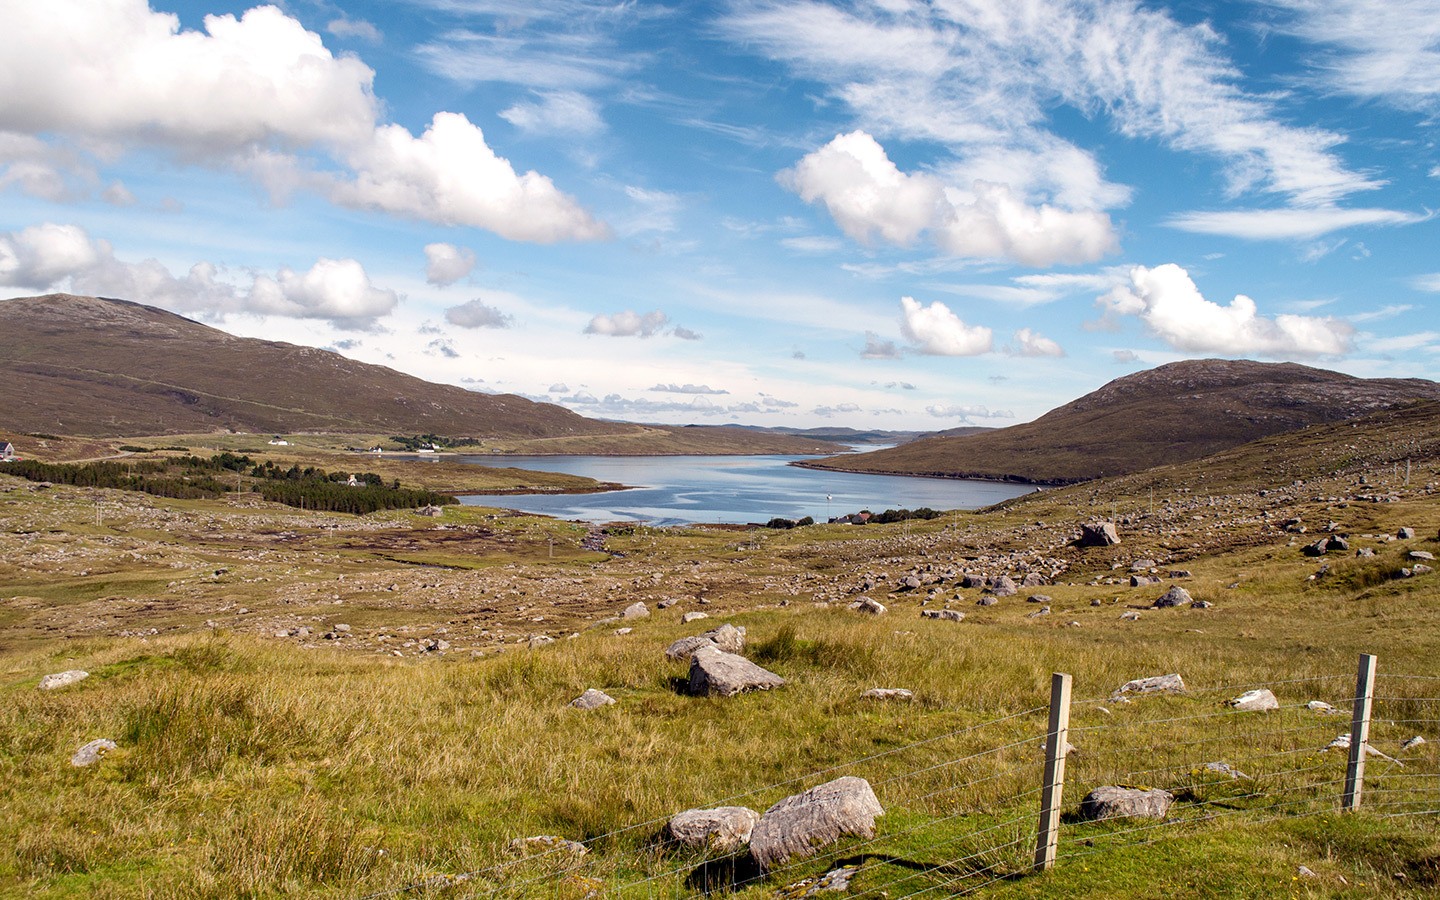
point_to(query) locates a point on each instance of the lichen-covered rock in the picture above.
(715, 672)
(1115, 802)
(1256, 700)
(802, 823)
(61, 679)
(724, 829)
(92, 752)
(592, 699)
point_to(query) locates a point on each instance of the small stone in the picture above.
(1130, 615)
(592, 699)
(540, 640)
(887, 694)
(342, 628)
(1421, 554)
(1323, 708)
(1042, 611)
(1156, 684)
(621, 632)
(1415, 741)
(1200, 604)
(92, 752)
(635, 611)
(1256, 700)
(693, 617)
(987, 600)
(1037, 598)
(1143, 580)
(1224, 768)
(1405, 534)
(944, 615)
(61, 679)
(547, 845)
(1305, 872)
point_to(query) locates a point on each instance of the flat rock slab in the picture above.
(724, 829)
(715, 672)
(887, 694)
(1256, 700)
(92, 752)
(1115, 802)
(944, 615)
(1155, 684)
(61, 679)
(799, 825)
(592, 699)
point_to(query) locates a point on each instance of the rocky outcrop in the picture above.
(715, 672)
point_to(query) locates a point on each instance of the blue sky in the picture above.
(884, 214)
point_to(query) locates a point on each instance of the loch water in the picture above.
(681, 490)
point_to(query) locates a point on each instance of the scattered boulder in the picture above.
(635, 611)
(1319, 548)
(1179, 573)
(727, 637)
(1256, 700)
(693, 617)
(1144, 580)
(92, 752)
(1421, 554)
(944, 615)
(1034, 579)
(1365, 552)
(1038, 598)
(1415, 741)
(61, 679)
(592, 699)
(972, 581)
(802, 823)
(909, 583)
(1176, 596)
(723, 829)
(1042, 611)
(1131, 615)
(1004, 586)
(987, 600)
(1405, 534)
(1200, 604)
(1155, 684)
(893, 694)
(1099, 534)
(539, 640)
(431, 511)
(1323, 708)
(1115, 802)
(867, 605)
(1142, 565)
(1338, 545)
(713, 671)
(835, 881)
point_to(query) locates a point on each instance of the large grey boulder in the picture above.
(91, 753)
(61, 679)
(713, 671)
(1003, 586)
(1099, 534)
(1176, 596)
(802, 823)
(637, 610)
(1256, 700)
(867, 605)
(724, 829)
(1115, 802)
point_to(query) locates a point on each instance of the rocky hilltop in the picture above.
(1170, 414)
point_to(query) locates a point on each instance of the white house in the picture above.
(7, 451)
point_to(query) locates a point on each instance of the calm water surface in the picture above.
(678, 490)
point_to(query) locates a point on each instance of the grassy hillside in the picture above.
(254, 759)
(1171, 414)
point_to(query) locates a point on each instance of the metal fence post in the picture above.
(1359, 732)
(1048, 839)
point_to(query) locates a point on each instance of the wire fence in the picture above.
(962, 809)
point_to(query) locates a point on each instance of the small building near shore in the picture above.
(7, 451)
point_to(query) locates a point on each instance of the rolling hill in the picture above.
(113, 368)
(1173, 413)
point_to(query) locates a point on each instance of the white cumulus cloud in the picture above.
(1172, 307)
(477, 314)
(334, 289)
(451, 176)
(1030, 343)
(629, 324)
(41, 255)
(870, 198)
(446, 264)
(936, 331)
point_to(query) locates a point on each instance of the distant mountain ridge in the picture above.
(113, 368)
(1173, 413)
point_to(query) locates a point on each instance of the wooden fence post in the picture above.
(1056, 738)
(1359, 732)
